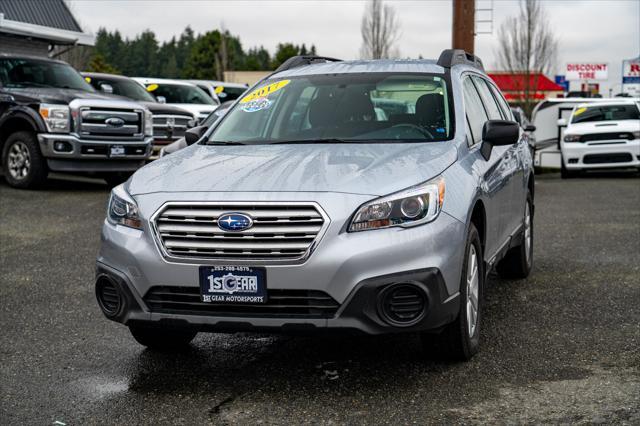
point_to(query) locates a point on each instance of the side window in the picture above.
(487, 98)
(504, 106)
(474, 110)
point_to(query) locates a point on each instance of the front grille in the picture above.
(280, 303)
(167, 128)
(282, 231)
(607, 158)
(126, 124)
(615, 136)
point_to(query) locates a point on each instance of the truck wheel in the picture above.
(566, 173)
(460, 340)
(162, 339)
(22, 163)
(115, 179)
(518, 261)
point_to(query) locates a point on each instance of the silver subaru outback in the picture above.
(358, 196)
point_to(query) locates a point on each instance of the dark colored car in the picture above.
(169, 122)
(51, 119)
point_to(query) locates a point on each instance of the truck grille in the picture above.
(607, 158)
(280, 303)
(617, 136)
(280, 231)
(167, 128)
(116, 124)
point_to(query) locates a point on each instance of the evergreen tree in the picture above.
(99, 64)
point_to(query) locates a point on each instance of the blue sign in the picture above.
(562, 81)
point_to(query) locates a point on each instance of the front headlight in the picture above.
(572, 138)
(123, 209)
(410, 207)
(56, 117)
(148, 123)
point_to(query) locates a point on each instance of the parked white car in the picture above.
(223, 91)
(601, 135)
(181, 94)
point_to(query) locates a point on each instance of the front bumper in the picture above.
(351, 268)
(601, 155)
(89, 155)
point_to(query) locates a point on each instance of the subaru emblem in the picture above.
(234, 222)
(114, 122)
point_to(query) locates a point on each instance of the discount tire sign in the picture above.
(587, 71)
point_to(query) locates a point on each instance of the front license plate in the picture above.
(233, 284)
(116, 151)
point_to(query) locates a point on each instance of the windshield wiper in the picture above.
(309, 141)
(225, 143)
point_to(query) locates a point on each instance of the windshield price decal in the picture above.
(264, 91)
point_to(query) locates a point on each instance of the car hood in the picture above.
(158, 108)
(54, 95)
(604, 127)
(373, 169)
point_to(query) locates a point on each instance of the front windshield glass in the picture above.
(21, 73)
(341, 107)
(181, 94)
(605, 113)
(127, 88)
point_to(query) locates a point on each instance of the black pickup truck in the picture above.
(51, 119)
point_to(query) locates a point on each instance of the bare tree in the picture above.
(527, 47)
(380, 31)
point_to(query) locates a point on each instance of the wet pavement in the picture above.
(559, 347)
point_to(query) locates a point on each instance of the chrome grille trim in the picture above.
(91, 123)
(282, 232)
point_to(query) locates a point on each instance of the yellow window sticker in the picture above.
(87, 79)
(579, 111)
(264, 91)
(219, 90)
(152, 87)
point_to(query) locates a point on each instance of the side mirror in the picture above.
(194, 134)
(106, 88)
(161, 99)
(562, 122)
(496, 133)
(530, 128)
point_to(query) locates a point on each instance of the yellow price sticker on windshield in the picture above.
(87, 79)
(579, 111)
(219, 90)
(264, 91)
(152, 87)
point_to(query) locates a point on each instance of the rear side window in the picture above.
(474, 109)
(487, 98)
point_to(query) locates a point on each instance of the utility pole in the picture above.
(463, 31)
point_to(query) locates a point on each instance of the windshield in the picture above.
(605, 113)
(123, 87)
(180, 94)
(339, 108)
(18, 73)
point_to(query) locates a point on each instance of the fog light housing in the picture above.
(109, 296)
(402, 304)
(62, 146)
(573, 161)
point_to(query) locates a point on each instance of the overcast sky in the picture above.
(600, 31)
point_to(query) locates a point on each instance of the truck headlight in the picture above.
(148, 123)
(410, 207)
(122, 209)
(572, 138)
(56, 117)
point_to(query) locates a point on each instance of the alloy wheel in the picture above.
(473, 280)
(19, 161)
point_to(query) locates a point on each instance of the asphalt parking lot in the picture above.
(559, 347)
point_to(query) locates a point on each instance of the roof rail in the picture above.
(298, 61)
(451, 57)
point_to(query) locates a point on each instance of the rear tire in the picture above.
(22, 162)
(460, 340)
(163, 340)
(518, 261)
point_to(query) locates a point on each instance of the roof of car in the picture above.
(30, 57)
(608, 102)
(218, 83)
(366, 66)
(152, 80)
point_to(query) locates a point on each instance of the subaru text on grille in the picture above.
(363, 196)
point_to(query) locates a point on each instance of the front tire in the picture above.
(22, 162)
(518, 261)
(163, 340)
(460, 340)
